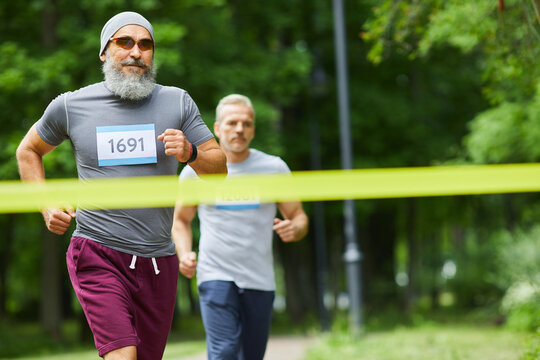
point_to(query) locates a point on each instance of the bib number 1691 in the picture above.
(130, 144)
(126, 145)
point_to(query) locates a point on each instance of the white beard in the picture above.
(130, 87)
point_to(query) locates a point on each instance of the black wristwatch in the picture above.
(192, 154)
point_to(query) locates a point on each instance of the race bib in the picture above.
(126, 145)
(231, 200)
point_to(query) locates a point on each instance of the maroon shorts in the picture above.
(124, 305)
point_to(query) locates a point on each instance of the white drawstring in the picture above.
(156, 270)
(133, 259)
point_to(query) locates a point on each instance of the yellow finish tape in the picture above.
(164, 191)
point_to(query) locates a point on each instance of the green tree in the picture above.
(499, 45)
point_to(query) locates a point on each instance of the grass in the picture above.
(175, 350)
(27, 341)
(448, 338)
(426, 342)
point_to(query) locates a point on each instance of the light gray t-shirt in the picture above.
(236, 233)
(112, 137)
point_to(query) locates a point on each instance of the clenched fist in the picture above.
(58, 220)
(176, 144)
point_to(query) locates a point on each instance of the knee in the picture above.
(125, 353)
(223, 352)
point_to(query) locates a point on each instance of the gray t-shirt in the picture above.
(111, 138)
(236, 232)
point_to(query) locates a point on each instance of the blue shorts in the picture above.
(236, 321)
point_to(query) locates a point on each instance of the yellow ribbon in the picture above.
(163, 191)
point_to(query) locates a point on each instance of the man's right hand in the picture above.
(58, 220)
(188, 264)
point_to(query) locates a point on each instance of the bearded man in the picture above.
(122, 263)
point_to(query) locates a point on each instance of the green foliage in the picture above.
(518, 256)
(532, 346)
(61, 162)
(503, 46)
(168, 35)
(27, 338)
(471, 286)
(507, 133)
(461, 24)
(8, 162)
(504, 42)
(519, 273)
(388, 29)
(496, 135)
(24, 292)
(521, 304)
(267, 123)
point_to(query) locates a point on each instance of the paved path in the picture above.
(279, 348)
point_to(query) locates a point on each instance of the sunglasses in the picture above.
(128, 43)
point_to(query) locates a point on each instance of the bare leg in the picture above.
(125, 353)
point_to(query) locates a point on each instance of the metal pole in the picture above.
(352, 255)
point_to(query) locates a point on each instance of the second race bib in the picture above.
(231, 200)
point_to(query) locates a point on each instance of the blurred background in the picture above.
(431, 82)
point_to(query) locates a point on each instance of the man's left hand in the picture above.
(176, 144)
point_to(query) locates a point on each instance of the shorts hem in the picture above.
(117, 344)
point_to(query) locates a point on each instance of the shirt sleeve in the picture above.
(187, 173)
(193, 125)
(282, 167)
(52, 127)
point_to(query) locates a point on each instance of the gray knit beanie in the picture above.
(120, 20)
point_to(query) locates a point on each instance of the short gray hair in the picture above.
(233, 99)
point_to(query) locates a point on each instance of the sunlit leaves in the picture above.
(507, 133)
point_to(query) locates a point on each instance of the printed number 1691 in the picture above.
(121, 145)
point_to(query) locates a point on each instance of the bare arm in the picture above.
(30, 160)
(182, 237)
(210, 158)
(294, 226)
(29, 156)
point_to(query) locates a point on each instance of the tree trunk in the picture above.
(299, 276)
(509, 212)
(412, 255)
(49, 20)
(50, 284)
(297, 259)
(378, 262)
(5, 256)
(51, 309)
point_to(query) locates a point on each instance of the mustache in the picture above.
(136, 62)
